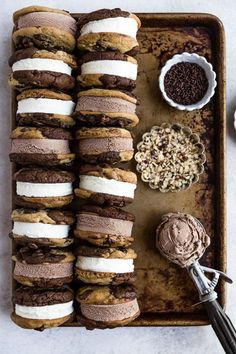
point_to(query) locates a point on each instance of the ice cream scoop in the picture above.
(182, 239)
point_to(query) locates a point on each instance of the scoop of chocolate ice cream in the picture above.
(181, 238)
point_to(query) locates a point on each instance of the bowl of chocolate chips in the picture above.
(187, 81)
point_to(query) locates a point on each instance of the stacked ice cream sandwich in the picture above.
(105, 112)
(42, 72)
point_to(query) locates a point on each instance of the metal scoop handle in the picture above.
(220, 322)
(222, 326)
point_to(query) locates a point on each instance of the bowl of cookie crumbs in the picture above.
(170, 157)
(187, 81)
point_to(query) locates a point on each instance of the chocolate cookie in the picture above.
(44, 27)
(42, 308)
(39, 107)
(43, 267)
(111, 70)
(107, 306)
(106, 186)
(98, 107)
(40, 188)
(107, 29)
(42, 227)
(45, 146)
(32, 67)
(109, 227)
(97, 265)
(104, 145)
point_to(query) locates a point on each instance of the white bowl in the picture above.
(190, 58)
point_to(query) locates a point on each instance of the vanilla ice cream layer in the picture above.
(45, 105)
(109, 265)
(111, 67)
(107, 186)
(122, 25)
(40, 230)
(42, 64)
(109, 313)
(49, 312)
(43, 190)
(40, 146)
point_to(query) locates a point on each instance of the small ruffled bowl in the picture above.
(190, 58)
(157, 164)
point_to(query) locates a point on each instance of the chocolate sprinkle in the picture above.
(186, 83)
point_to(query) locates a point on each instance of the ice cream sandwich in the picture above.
(36, 68)
(108, 29)
(38, 187)
(100, 265)
(43, 267)
(39, 107)
(45, 146)
(109, 227)
(107, 306)
(44, 27)
(42, 227)
(110, 70)
(106, 186)
(36, 308)
(99, 107)
(104, 145)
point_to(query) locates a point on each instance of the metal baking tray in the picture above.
(166, 294)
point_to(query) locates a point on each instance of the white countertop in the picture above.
(194, 340)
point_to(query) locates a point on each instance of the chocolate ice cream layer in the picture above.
(105, 104)
(97, 145)
(95, 223)
(40, 146)
(181, 238)
(48, 19)
(109, 313)
(47, 271)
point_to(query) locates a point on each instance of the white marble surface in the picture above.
(195, 340)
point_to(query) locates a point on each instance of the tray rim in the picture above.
(184, 19)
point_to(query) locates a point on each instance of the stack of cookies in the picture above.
(105, 113)
(42, 67)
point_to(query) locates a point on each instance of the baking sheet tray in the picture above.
(166, 294)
